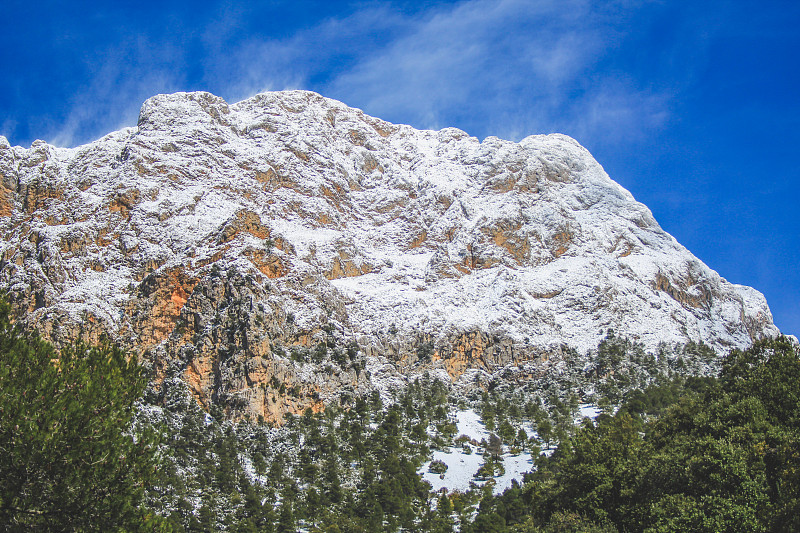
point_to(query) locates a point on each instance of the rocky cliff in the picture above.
(276, 252)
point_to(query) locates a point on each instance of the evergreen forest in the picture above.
(684, 440)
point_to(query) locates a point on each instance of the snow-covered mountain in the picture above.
(214, 239)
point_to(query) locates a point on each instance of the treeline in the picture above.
(686, 441)
(697, 454)
(70, 457)
(350, 468)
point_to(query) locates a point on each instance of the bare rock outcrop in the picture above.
(264, 250)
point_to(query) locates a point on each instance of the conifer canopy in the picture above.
(70, 459)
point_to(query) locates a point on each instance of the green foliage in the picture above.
(564, 523)
(437, 467)
(70, 459)
(425, 351)
(681, 453)
(350, 469)
(686, 455)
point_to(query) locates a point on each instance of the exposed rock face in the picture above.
(214, 239)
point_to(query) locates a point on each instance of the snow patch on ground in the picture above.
(587, 410)
(462, 466)
(469, 423)
(460, 470)
(516, 466)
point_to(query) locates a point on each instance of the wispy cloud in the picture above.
(8, 127)
(303, 60)
(504, 67)
(121, 79)
(492, 67)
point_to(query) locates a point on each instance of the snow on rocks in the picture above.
(380, 226)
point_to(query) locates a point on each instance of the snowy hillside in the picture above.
(317, 214)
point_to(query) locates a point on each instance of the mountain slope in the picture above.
(215, 239)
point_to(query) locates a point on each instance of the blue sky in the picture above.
(692, 106)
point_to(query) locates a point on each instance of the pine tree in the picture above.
(286, 520)
(495, 446)
(69, 456)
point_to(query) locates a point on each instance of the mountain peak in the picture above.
(216, 233)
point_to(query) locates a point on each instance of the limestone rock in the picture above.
(242, 247)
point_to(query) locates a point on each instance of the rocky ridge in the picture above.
(286, 249)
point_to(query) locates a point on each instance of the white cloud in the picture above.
(493, 67)
(121, 79)
(8, 128)
(503, 67)
(258, 64)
